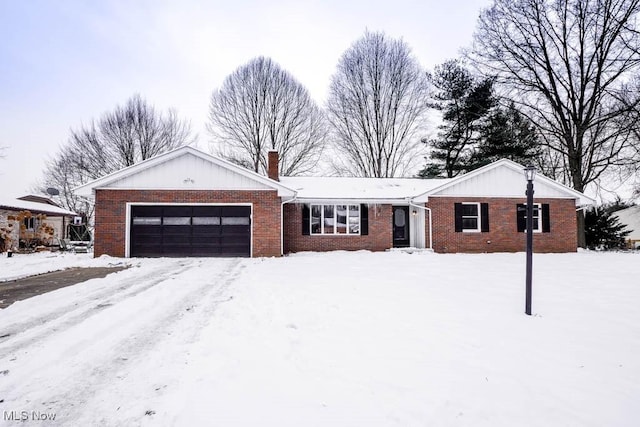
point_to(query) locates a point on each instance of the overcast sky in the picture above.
(64, 63)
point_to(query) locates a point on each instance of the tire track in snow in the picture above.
(19, 335)
(194, 306)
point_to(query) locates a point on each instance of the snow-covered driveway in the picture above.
(118, 339)
(335, 339)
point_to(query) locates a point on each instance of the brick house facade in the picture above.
(111, 215)
(503, 235)
(378, 238)
(477, 212)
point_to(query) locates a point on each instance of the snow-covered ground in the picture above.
(335, 339)
(24, 265)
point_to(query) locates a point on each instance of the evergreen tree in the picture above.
(508, 135)
(464, 102)
(603, 230)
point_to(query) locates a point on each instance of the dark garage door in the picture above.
(207, 231)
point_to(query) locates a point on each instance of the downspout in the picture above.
(430, 221)
(282, 221)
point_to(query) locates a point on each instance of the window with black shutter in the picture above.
(471, 217)
(334, 220)
(541, 218)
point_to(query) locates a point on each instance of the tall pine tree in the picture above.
(464, 102)
(508, 135)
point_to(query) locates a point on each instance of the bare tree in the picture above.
(377, 100)
(261, 107)
(566, 62)
(121, 138)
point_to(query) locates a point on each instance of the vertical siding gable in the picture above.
(188, 172)
(501, 181)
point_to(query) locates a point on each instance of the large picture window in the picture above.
(335, 219)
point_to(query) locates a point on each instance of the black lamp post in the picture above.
(530, 174)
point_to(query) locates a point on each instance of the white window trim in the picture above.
(478, 228)
(335, 212)
(33, 221)
(539, 228)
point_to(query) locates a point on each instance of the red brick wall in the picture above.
(378, 239)
(110, 215)
(503, 235)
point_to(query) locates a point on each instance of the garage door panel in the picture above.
(235, 211)
(177, 210)
(148, 211)
(199, 211)
(190, 231)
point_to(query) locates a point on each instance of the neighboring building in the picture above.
(189, 203)
(631, 218)
(43, 213)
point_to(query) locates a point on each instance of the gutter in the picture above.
(430, 221)
(282, 221)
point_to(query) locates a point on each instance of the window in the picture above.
(236, 220)
(176, 220)
(31, 223)
(471, 217)
(537, 217)
(147, 220)
(541, 223)
(335, 219)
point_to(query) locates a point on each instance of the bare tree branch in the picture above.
(377, 99)
(261, 107)
(121, 138)
(566, 63)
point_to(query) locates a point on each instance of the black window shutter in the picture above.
(364, 220)
(546, 221)
(458, 216)
(520, 217)
(306, 220)
(484, 217)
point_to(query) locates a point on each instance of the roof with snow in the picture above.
(364, 189)
(503, 178)
(187, 168)
(24, 205)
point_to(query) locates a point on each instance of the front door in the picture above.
(400, 226)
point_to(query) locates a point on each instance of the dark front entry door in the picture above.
(400, 226)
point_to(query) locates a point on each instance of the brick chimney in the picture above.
(272, 165)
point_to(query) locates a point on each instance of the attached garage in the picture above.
(186, 203)
(186, 230)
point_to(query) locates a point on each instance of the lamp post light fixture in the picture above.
(530, 174)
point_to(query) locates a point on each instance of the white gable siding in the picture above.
(631, 218)
(187, 172)
(500, 182)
